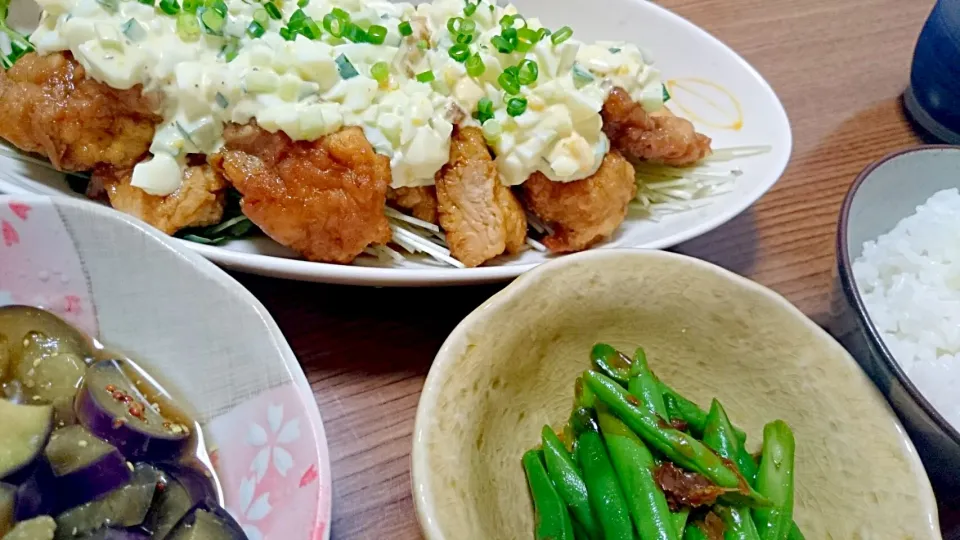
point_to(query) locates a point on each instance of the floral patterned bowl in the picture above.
(210, 342)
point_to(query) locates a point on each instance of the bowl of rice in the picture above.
(897, 301)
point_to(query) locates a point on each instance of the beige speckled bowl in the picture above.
(509, 368)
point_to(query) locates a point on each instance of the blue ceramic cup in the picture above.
(933, 98)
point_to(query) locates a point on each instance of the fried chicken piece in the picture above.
(324, 199)
(49, 106)
(586, 211)
(198, 202)
(481, 216)
(660, 138)
(421, 201)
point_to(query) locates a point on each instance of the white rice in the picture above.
(910, 282)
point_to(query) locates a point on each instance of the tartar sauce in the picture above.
(310, 67)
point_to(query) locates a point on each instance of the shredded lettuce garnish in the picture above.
(12, 45)
(234, 226)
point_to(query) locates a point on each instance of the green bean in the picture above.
(568, 482)
(675, 445)
(720, 437)
(680, 520)
(583, 397)
(724, 441)
(606, 496)
(692, 414)
(610, 362)
(643, 385)
(795, 533)
(673, 410)
(737, 523)
(579, 533)
(694, 532)
(775, 481)
(634, 465)
(552, 519)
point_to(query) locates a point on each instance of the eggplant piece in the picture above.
(18, 321)
(38, 528)
(183, 488)
(47, 371)
(207, 521)
(126, 506)
(84, 466)
(112, 406)
(26, 429)
(8, 500)
(110, 533)
(35, 496)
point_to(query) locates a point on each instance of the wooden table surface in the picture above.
(839, 66)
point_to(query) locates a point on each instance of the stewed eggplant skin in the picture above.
(112, 406)
(207, 521)
(84, 466)
(126, 506)
(65, 476)
(26, 429)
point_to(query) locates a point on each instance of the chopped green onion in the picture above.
(376, 34)
(467, 26)
(502, 45)
(464, 39)
(230, 50)
(190, 6)
(260, 17)
(273, 11)
(288, 34)
(109, 5)
(311, 30)
(423, 44)
(509, 83)
(614, 50)
(212, 21)
(459, 52)
(340, 14)
(581, 77)
(219, 6)
(255, 30)
(510, 34)
(506, 21)
(561, 35)
(527, 72)
(484, 110)
(354, 33)
(426, 76)
(513, 71)
(333, 25)
(133, 30)
(516, 106)
(542, 33)
(453, 25)
(527, 38)
(188, 28)
(170, 7)
(405, 28)
(303, 3)
(666, 94)
(470, 8)
(296, 20)
(475, 66)
(221, 100)
(380, 72)
(146, 2)
(346, 69)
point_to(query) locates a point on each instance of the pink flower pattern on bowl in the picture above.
(267, 447)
